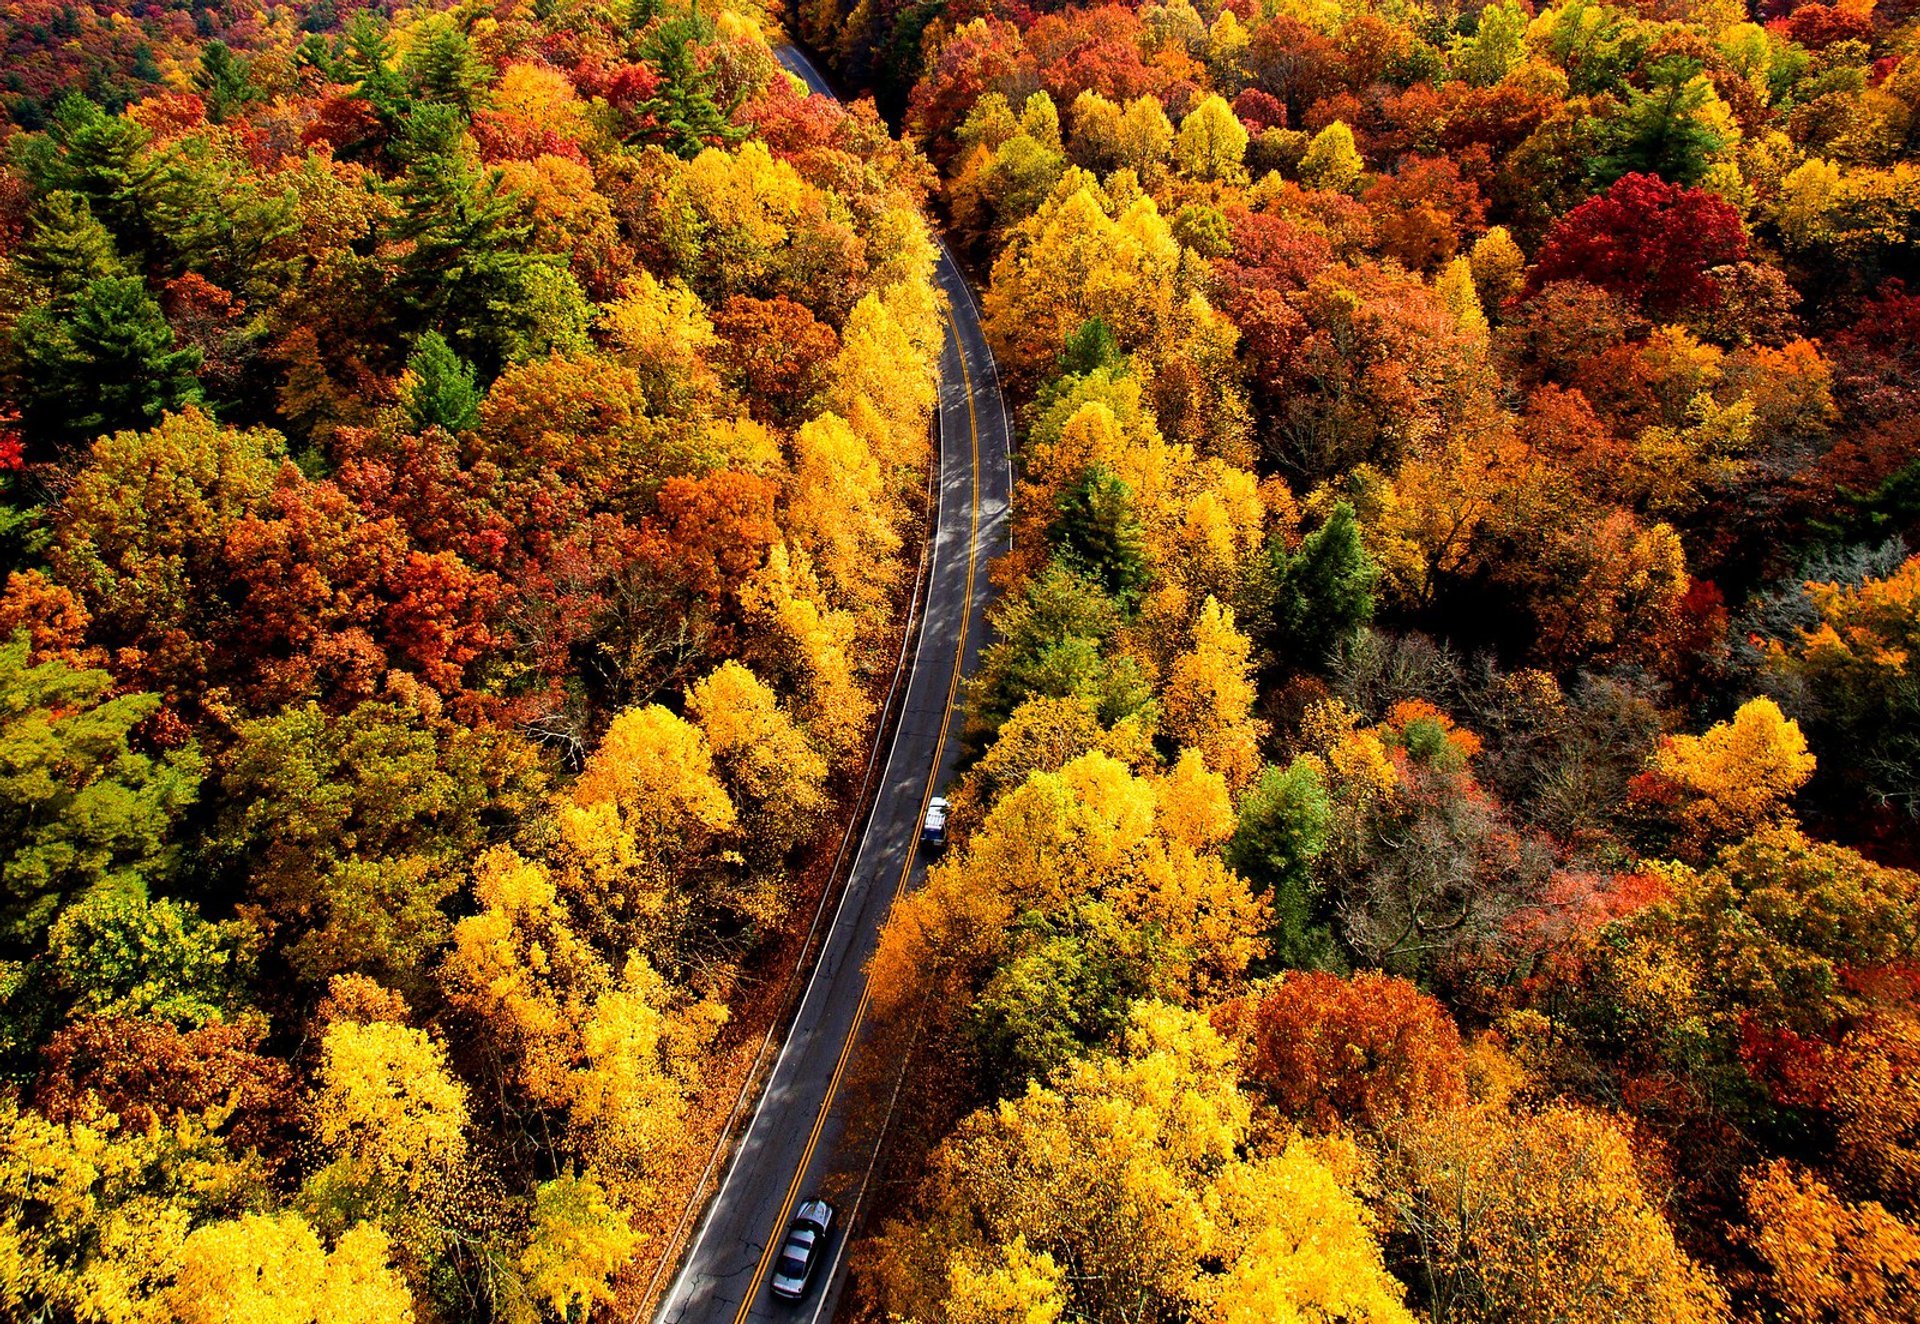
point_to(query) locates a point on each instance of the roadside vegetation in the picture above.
(1441, 839)
(455, 480)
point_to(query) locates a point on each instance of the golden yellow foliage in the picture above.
(806, 645)
(777, 777)
(388, 1106)
(1129, 1169)
(1740, 774)
(93, 1223)
(620, 1053)
(656, 769)
(1018, 1287)
(1209, 697)
(1091, 830)
(1538, 1219)
(1830, 1262)
(840, 511)
(580, 1239)
(272, 1269)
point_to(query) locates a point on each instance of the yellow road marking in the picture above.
(913, 846)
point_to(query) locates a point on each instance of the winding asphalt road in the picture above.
(799, 1142)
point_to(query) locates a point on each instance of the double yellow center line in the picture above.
(779, 1230)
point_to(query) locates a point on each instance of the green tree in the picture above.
(1099, 535)
(120, 954)
(1052, 642)
(683, 114)
(66, 250)
(80, 810)
(353, 829)
(1091, 346)
(442, 393)
(1498, 43)
(441, 66)
(367, 62)
(1067, 990)
(1673, 129)
(1281, 828)
(224, 80)
(107, 362)
(101, 157)
(467, 270)
(1323, 592)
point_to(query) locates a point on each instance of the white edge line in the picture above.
(813, 980)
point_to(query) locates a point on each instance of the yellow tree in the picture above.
(1092, 831)
(839, 509)
(619, 1053)
(521, 970)
(1212, 144)
(662, 334)
(1129, 1169)
(1044, 734)
(1144, 137)
(883, 381)
(93, 1218)
(390, 1110)
(774, 773)
(642, 815)
(1739, 775)
(1829, 1261)
(580, 1239)
(1209, 698)
(638, 1061)
(1538, 1219)
(1016, 1287)
(806, 647)
(1332, 160)
(272, 1269)
(1080, 257)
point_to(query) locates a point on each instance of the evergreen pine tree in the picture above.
(367, 60)
(66, 248)
(441, 67)
(685, 116)
(102, 158)
(1323, 593)
(1664, 130)
(442, 393)
(224, 80)
(1099, 535)
(106, 362)
(466, 259)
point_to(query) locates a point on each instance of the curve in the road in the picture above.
(793, 1145)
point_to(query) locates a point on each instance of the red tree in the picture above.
(775, 352)
(1648, 240)
(710, 533)
(1366, 1049)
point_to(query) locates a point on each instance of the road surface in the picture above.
(797, 1143)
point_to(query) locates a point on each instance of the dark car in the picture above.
(933, 832)
(800, 1253)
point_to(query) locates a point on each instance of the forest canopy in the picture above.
(456, 488)
(1436, 839)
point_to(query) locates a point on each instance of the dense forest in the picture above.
(1439, 825)
(458, 482)
(1447, 778)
